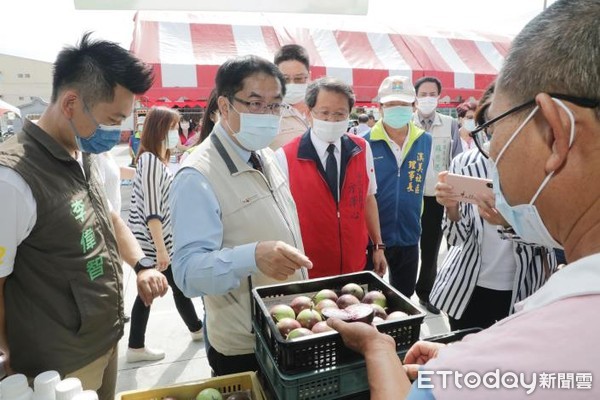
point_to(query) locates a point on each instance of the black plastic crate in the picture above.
(327, 349)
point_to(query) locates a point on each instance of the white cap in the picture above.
(86, 395)
(396, 88)
(15, 387)
(44, 385)
(68, 388)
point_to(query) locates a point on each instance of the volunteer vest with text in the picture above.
(400, 188)
(335, 235)
(64, 300)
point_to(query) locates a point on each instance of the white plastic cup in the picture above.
(68, 388)
(15, 387)
(86, 395)
(44, 385)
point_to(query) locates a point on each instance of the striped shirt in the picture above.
(458, 276)
(150, 199)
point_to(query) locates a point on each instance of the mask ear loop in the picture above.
(229, 104)
(571, 140)
(517, 131)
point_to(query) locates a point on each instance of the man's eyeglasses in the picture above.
(480, 133)
(301, 78)
(260, 107)
(334, 116)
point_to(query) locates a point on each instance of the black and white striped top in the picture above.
(150, 199)
(457, 278)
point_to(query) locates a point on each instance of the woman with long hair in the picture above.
(209, 119)
(150, 222)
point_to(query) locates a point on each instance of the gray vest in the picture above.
(64, 299)
(254, 207)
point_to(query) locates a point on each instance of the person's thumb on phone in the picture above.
(442, 176)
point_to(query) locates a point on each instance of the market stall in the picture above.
(186, 50)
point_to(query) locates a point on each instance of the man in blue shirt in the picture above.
(401, 155)
(235, 224)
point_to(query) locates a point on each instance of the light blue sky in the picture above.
(38, 29)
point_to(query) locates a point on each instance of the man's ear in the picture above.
(559, 135)
(68, 103)
(223, 104)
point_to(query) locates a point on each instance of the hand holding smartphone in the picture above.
(467, 188)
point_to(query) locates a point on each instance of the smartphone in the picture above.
(466, 187)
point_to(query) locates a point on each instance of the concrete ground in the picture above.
(185, 360)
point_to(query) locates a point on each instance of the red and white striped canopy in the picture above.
(187, 49)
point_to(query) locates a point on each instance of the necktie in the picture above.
(255, 161)
(331, 172)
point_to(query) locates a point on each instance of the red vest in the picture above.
(335, 237)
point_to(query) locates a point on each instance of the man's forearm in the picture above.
(129, 247)
(372, 216)
(386, 376)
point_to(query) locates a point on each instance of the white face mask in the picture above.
(185, 125)
(427, 105)
(295, 93)
(329, 131)
(172, 138)
(525, 218)
(469, 124)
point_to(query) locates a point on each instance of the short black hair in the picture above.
(363, 118)
(331, 85)
(292, 52)
(231, 74)
(96, 67)
(371, 116)
(431, 79)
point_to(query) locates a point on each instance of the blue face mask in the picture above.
(397, 116)
(525, 218)
(101, 141)
(104, 138)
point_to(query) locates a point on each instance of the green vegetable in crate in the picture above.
(354, 289)
(298, 333)
(286, 325)
(209, 394)
(300, 303)
(281, 311)
(346, 300)
(325, 294)
(375, 297)
(308, 318)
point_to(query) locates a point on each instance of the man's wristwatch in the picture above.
(144, 263)
(378, 246)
